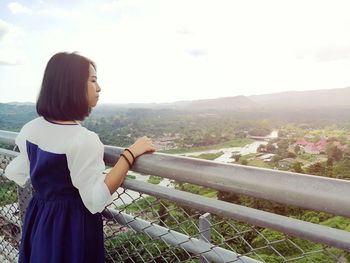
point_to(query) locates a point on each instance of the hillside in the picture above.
(305, 99)
(315, 99)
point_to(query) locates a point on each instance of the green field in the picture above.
(228, 144)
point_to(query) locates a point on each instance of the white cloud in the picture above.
(7, 63)
(333, 53)
(43, 9)
(11, 40)
(196, 52)
(17, 8)
(125, 5)
(9, 60)
(110, 6)
(4, 29)
(183, 31)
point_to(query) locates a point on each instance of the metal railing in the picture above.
(154, 223)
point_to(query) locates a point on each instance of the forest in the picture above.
(212, 129)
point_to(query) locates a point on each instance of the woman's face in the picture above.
(93, 87)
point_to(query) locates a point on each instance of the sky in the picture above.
(154, 51)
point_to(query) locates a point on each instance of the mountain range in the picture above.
(299, 100)
(314, 99)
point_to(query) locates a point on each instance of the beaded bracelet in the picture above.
(126, 149)
(126, 159)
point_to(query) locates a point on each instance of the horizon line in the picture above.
(188, 100)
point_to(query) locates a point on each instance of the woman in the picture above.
(64, 162)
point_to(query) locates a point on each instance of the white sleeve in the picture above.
(18, 169)
(86, 166)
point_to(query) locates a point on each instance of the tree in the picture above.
(334, 152)
(297, 149)
(296, 167)
(317, 169)
(283, 145)
(270, 148)
(341, 169)
(259, 131)
(261, 148)
(329, 167)
(329, 162)
(236, 157)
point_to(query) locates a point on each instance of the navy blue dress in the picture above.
(58, 227)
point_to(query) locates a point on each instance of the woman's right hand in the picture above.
(142, 145)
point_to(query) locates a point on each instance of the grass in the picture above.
(208, 156)
(247, 157)
(306, 158)
(129, 176)
(260, 163)
(212, 194)
(8, 193)
(154, 179)
(139, 205)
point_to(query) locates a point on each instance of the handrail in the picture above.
(294, 227)
(305, 191)
(8, 136)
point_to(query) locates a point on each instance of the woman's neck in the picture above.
(64, 122)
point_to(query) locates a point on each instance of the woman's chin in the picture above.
(92, 105)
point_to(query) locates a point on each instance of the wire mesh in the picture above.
(264, 245)
(125, 244)
(9, 216)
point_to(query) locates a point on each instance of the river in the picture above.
(228, 152)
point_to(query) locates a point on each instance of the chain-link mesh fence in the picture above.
(141, 227)
(9, 216)
(123, 244)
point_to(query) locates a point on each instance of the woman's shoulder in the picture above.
(30, 125)
(38, 130)
(85, 136)
(85, 142)
(87, 133)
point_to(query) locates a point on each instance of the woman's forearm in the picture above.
(116, 175)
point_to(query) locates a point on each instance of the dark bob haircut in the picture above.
(63, 93)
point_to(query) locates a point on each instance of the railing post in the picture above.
(204, 232)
